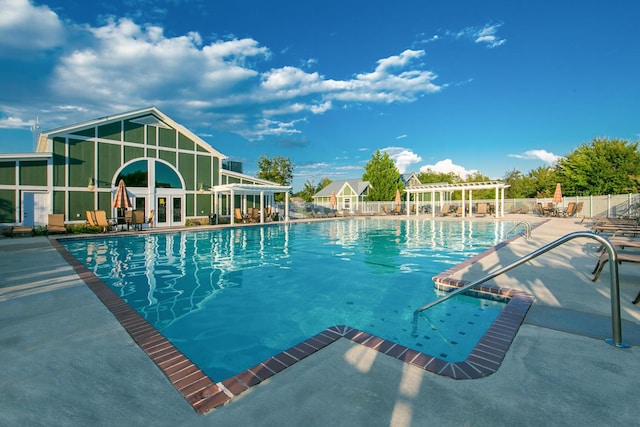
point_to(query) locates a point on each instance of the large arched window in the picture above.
(166, 177)
(136, 174)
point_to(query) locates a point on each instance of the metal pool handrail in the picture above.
(616, 323)
(527, 233)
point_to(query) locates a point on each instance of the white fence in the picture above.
(610, 206)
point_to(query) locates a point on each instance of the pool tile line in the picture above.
(204, 395)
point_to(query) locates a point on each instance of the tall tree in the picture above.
(277, 169)
(520, 186)
(544, 179)
(604, 166)
(383, 176)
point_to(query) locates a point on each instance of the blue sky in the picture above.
(460, 86)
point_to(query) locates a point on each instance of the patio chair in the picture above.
(102, 221)
(384, 210)
(150, 219)
(481, 209)
(56, 224)
(137, 219)
(398, 210)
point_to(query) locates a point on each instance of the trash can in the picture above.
(213, 219)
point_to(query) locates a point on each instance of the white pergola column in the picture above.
(497, 206)
(232, 202)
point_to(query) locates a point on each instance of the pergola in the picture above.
(442, 188)
(245, 190)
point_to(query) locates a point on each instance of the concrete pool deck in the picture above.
(66, 360)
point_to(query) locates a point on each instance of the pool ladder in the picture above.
(616, 323)
(527, 233)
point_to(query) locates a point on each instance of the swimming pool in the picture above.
(231, 298)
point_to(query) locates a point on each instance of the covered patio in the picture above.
(228, 197)
(444, 189)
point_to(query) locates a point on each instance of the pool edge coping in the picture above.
(204, 394)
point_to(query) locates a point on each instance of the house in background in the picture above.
(410, 179)
(166, 168)
(350, 194)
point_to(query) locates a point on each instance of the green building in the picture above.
(166, 168)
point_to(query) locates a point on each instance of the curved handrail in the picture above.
(527, 233)
(616, 323)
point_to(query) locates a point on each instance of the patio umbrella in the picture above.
(332, 200)
(398, 199)
(557, 195)
(121, 199)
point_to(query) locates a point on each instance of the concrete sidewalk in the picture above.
(66, 361)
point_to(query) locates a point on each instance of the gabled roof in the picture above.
(149, 115)
(406, 177)
(357, 185)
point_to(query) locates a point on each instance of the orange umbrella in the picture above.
(121, 199)
(398, 199)
(332, 201)
(557, 195)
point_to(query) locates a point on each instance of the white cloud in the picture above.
(221, 85)
(447, 166)
(402, 157)
(543, 155)
(487, 35)
(15, 123)
(28, 27)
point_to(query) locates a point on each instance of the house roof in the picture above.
(149, 115)
(358, 186)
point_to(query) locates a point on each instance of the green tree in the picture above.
(604, 166)
(383, 176)
(520, 186)
(277, 169)
(431, 177)
(544, 181)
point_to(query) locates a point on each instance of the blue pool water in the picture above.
(231, 298)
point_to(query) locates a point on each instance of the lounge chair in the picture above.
(569, 210)
(21, 230)
(481, 209)
(458, 211)
(578, 208)
(397, 210)
(384, 210)
(102, 221)
(239, 216)
(622, 257)
(445, 210)
(150, 219)
(255, 215)
(91, 218)
(56, 224)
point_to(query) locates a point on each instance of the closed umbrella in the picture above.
(557, 195)
(398, 199)
(121, 199)
(332, 200)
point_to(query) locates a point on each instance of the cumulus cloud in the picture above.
(15, 123)
(447, 166)
(543, 155)
(223, 85)
(27, 27)
(402, 157)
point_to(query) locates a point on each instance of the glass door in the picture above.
(177, 211)
(162, 211)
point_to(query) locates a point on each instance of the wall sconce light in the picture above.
(200, 189)
(91, 186)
